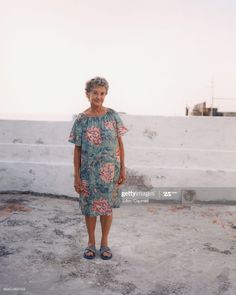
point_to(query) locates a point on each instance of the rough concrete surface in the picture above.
(158, 249)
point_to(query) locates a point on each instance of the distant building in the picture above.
(200, 109)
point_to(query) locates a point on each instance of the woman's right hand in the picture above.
(78, 184)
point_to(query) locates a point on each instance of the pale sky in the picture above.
(157, 55)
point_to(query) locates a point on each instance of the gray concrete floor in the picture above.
(158, 249)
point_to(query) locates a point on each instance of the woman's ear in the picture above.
(87, 95)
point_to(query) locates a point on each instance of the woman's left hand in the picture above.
(122, 176)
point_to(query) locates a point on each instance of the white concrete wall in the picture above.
(161, 152)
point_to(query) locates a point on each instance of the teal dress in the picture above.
(100, 160)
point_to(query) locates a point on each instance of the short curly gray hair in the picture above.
(97, 81)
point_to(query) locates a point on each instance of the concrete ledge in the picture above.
(161, 152)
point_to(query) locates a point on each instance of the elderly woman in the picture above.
(99, 167)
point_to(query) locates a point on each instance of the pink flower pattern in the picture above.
(110, 124)
(121, 130)
(93, 135)
(107, 172)
(72, 136)
(84, 192)
(101, 206)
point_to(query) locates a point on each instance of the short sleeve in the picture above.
(120, 128)
(76, 132)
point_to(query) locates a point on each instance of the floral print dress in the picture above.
(100, 160)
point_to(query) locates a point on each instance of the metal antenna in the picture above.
(212, 95)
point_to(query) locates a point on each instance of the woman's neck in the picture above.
(97, 110)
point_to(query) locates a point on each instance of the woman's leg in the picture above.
(91, 225)
(106, 221)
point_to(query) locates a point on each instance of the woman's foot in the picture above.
(90, 252)
(105, 252)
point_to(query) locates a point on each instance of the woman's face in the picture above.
(97, 95)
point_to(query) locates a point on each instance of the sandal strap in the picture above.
(90, 248)
(105, 249)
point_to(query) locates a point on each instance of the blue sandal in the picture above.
(105, 249)
(90, 249)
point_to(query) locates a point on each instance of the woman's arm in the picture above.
(77, 162)
(77, 159)
(122, 161)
